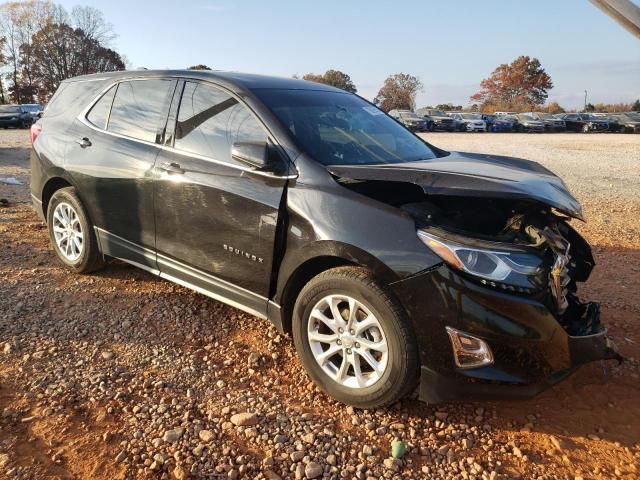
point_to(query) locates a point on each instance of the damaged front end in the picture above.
(514, 264)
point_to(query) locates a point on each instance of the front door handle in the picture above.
(84, 142)
(172, 168)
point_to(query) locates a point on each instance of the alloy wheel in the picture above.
(347, 341)
(67, 231)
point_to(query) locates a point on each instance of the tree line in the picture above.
(520, 86)
(42, 44)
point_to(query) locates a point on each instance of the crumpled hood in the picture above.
(474, 175)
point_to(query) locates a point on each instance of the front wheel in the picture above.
(353, 338)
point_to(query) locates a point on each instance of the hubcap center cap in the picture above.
(347, 341)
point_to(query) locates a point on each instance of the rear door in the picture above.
(111, 159)
(216, 218)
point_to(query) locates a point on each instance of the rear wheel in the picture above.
(71, 232)
(353, 338)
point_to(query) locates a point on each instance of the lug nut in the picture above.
(352, 331)
(349, 351)
(340, 330)
(339, 342)
(357, 345)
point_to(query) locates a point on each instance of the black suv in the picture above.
(388, 260)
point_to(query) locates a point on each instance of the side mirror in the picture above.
(258, 155)
(255, 154)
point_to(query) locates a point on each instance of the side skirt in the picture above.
(186, 276)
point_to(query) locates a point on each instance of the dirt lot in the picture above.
(123, 375)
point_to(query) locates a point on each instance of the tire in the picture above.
(80, 259)
(397, 368)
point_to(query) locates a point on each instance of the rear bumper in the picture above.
(530, 348)
(37, 206)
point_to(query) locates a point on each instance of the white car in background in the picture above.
(472, 122)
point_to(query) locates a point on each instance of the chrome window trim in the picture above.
(82, 118)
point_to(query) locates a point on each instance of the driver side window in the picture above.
(210, 121)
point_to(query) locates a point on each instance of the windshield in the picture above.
(436, 113)
(342, 129)
(31, 108)
(545, 115)
(471, 116)
(9, 109)
(410, 116)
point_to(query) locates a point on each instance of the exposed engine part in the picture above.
(559, 275)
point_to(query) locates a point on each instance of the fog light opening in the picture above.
(469, 351)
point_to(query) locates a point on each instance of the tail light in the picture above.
(36, 128)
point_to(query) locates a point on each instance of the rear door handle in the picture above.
(84, 142)
(172, 168)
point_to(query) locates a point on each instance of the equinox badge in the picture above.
(242, 253)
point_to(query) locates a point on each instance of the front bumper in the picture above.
(531, 350)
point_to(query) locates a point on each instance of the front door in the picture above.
(216, 219)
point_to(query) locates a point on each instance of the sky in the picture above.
(450, 45)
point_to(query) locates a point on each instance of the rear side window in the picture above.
(99, 114)
(72, 97)
(210, 121)
(138, 107)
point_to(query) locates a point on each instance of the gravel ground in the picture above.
(123, 375)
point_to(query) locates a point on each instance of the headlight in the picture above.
(496, 265)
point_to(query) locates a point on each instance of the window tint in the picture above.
(137, 108)
(338, 128)
(71, 97)
(210, 121)
(99, 113)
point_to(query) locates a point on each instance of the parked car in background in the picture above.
(551, 123)
(33, 109)
(583, 122)
(615, 125)
(392, 263)
(505, 113)
(500, 123)
(470, 122)
(441, 121)
(412, 121)
(14, 116)
(524, 123)
(628, 121)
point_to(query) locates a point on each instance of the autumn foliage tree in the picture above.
(398, 92)
(335, 78)
(46, 44)
(554, 107)
(60, 51)
(200, 66)
(520, 85)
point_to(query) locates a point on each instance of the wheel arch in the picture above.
(50, 187)
(318, 258)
